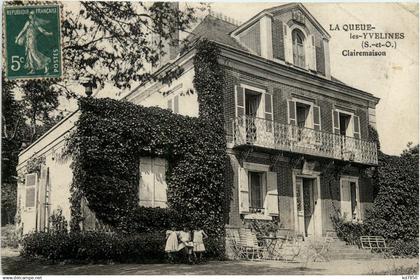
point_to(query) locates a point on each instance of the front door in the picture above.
(308, 206)
(306, 198)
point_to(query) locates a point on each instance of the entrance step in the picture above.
(339, 250)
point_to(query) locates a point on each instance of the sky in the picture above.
(394, 78)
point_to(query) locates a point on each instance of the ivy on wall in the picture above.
(111, 136)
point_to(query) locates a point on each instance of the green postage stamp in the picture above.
(32, 41)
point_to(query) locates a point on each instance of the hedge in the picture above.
(95, 246)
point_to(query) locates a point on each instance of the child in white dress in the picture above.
(199, 247)
(171, 243)
(186, 244)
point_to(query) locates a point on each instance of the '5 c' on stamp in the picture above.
(33, 42)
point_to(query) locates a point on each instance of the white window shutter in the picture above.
(336, 122)
(356, 127)
(346, 200)
(310, 52)
(268, 111)
(243, 190)
(176, 104)
(160, 187)
(288, 44)
(239, 101)
(146, 187)
(291, 112)
(31, 181)
(170, 105)
(271, 202)
(42, 197)
(317, 117)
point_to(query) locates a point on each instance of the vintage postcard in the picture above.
(32, 41)
(222, 138)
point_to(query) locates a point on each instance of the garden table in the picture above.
(271, 245)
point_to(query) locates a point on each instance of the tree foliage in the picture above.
(395, 213)
(121, 41)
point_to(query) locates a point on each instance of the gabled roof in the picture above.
(219, 30)
(281, 9)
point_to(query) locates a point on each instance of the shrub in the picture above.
(405, 248)
(9, 236)
(58, 221)
(349, 232)
(94, 246)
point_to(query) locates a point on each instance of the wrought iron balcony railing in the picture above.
(269, 134)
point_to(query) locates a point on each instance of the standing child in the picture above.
(199, 248)
(171, 243)
(186, 244)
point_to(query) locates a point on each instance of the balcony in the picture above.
(273, 135)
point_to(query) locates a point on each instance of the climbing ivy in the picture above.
(111, 136)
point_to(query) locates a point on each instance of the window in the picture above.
(173, 104)
(302, 113)
(298, 48)
(349, 194)
(256, 190)
(152, 189)
(346, 124)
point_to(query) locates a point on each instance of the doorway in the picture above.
(308, 206)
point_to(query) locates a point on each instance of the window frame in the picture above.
(351, 121)
(297, 30)
(310, 113)
(153, 200)
(351, 179)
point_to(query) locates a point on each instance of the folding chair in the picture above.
(249, 244)
(233, 242)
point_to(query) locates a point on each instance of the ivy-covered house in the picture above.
(256, 127)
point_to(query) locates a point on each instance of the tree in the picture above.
(121, 42)
(13, 125)
(39, 101)
(395, 213)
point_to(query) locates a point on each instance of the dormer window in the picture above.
(298, 48)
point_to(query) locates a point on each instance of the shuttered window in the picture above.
(31, 181)
(349, 195)
(153, 188)
(257, 190)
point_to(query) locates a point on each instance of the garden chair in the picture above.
(290, 248)
(320, 248)
(249, 245)
(233, 242)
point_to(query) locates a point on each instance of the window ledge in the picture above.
(257, 216)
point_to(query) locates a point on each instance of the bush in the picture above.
(349, 232)
(9, 236)
(405, 248)
(95, 246)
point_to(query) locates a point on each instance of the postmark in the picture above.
(32, 41)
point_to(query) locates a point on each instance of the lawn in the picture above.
(13, 264)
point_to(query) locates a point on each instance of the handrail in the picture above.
(275, 135)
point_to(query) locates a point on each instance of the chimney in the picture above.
(171, 48)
